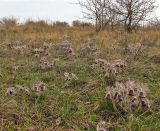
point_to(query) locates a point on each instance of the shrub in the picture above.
(8, 22)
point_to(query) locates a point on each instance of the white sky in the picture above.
(53, 10)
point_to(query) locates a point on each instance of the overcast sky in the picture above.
(62, 10)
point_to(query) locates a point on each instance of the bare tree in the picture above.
(96, 11)
(154, 23)
(132, 12)
(113, 16)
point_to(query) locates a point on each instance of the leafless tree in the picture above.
(132, 12)
(96, 11)
(113, 17)
(154, 23)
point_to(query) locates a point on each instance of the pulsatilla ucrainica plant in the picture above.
(128, 96)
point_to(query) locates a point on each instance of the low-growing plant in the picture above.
(128, 96)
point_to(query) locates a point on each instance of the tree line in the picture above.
(126, 13)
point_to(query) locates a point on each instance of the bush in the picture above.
(78, 23)
(59, 23)
(38, 23)
(8, 22)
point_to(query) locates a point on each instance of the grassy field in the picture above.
(50, 79)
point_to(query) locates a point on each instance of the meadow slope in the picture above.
(60, 78)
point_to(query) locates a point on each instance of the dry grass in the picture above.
(59, 86)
